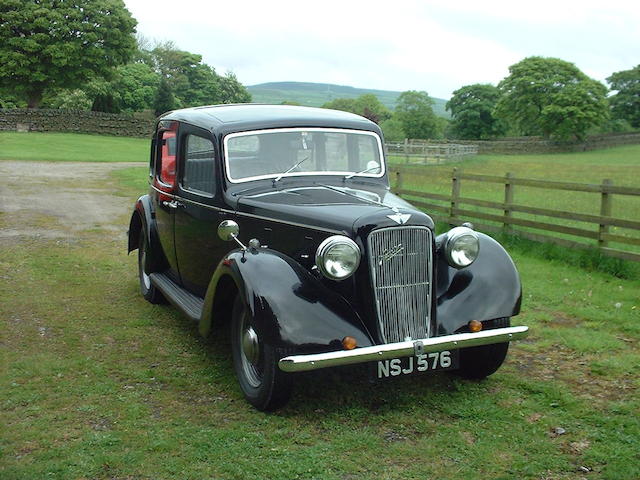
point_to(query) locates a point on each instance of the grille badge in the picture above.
(391, 252)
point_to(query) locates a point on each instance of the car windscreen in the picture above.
(295, 152)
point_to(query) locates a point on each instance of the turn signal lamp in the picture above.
(349, 343)
(475, 326)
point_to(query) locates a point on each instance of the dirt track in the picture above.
(59, 200)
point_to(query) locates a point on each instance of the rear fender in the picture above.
(294, 309)
(143, 223)
(488, 288)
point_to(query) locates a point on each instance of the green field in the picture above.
(72, 147)
(317, 94)
(97, 383)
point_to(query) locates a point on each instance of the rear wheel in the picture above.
(480, 362)
(148, 290)
(263, 384)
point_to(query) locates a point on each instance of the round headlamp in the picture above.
(461, 247)
(338, 257)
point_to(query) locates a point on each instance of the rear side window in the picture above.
(168, 158)
(199, 165)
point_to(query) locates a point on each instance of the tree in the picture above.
(232, 91)
(415, 112)
(132, 89)
(193, 82)
(50, 44)
(471, 110)
(392, 130)
(625, 104)
(551, 97)
(366, 105)
(165, 100)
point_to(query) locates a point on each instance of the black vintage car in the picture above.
(279, 221)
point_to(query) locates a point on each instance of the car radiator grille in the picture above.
(400, 262)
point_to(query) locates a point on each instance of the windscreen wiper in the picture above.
(351, 175)
(295, 165)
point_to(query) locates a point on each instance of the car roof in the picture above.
(223, 119)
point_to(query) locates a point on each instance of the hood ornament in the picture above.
(399, 218)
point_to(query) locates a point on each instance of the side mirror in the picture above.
(228, 230)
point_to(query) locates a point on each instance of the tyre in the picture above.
(148, 290)
(255, 362)
(480, 362)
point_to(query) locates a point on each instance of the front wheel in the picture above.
(263, 384)
(480, 362)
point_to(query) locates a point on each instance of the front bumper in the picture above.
(301, 363)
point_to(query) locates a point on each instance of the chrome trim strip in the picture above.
(226, 139)
(301, 363)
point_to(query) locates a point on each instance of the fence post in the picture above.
(508, 199)
(398, 180)
(605, 211)
(455, 192)
(406, 150)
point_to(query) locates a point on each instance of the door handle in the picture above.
(172, 204)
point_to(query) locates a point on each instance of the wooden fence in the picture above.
(422, 152)
(453, 210)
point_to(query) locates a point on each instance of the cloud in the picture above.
(437, 46)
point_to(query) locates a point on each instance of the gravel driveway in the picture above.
(59, 200)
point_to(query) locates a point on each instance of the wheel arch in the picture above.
(299, 312)
(143, 223)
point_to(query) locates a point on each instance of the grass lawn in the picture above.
(72, 147)
(97, 383)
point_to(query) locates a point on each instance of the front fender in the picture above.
(295, 310)
(488, 288)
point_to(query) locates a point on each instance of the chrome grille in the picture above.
(400, 262)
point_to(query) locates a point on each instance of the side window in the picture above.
(168, 158)
(199, 165)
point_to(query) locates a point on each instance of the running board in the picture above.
(189, 304)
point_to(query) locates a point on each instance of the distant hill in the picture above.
(317, 94)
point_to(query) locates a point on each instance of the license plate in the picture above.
(425, 362)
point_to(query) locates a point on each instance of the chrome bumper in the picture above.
(301, 363)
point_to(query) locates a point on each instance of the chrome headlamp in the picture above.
(338, 257)
(461, 247)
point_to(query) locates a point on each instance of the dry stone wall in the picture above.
(78, 121)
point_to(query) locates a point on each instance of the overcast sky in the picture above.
(436, 46)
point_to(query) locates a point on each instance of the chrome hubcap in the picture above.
(250, 345)
(250, 353)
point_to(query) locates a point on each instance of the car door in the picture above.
(164, 186)
(198, 247)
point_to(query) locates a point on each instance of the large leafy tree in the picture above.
(132, 89)
(415, 112)
(625, 104)
(551, 97)
(231, 90)
(164, 100)
(367, 105)
(51, 44)
(191, 81)
(471, 110)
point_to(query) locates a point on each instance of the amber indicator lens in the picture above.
(349, 343)
(475, 326)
